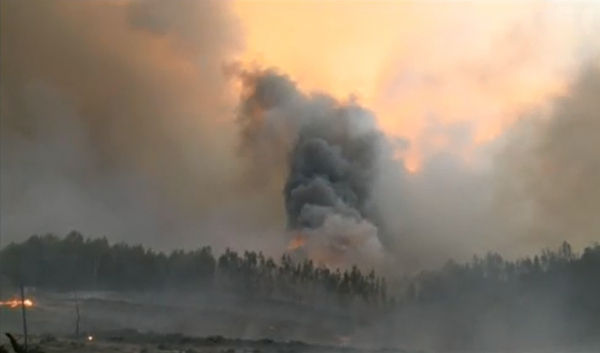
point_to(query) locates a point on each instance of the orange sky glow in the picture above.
(421, 66)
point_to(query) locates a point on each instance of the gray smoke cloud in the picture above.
(345, 194)
(329, 152)
(117, 120)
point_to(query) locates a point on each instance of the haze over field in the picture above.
(443, 129)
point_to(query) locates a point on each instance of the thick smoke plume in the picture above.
(115, 122)
(330, 152)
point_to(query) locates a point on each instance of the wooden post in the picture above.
(76, 318)
(23, 310)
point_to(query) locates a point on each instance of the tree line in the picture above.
(76, 263)
(548, 300)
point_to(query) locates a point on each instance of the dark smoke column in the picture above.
(329, 152)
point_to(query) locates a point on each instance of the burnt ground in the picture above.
(130, 341)
(167, 329)
(163, 322)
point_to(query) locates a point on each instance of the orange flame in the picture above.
(15, 303)
(297, 242)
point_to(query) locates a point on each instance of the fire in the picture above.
(15, 303)
(297, 242)
(329, 251)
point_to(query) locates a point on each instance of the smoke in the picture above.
(551, 167)
(537, 188)
(329, 152)
(117, 120)
(447, 81)
(456, 105)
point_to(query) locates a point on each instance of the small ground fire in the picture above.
(16, 303)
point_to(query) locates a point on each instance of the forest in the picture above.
(549, 299)
(75, 263)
